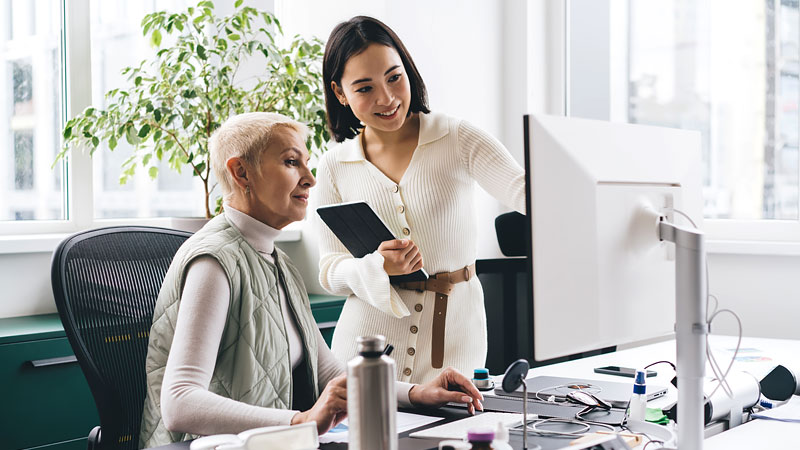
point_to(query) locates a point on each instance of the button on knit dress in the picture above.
(434, 206)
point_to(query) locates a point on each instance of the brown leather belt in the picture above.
(442, 284)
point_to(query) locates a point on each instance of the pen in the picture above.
(388, 350)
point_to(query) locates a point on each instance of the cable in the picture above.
(710, 315)
(589, 388)
(735, 352)
(660, 362)
(585, 427)
(645, 435)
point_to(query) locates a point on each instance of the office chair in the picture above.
(106, 282)
(505, 293)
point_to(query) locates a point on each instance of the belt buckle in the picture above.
(466, 273)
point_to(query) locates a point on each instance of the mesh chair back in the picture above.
(106, 283)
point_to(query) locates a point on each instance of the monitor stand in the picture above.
(691, 328)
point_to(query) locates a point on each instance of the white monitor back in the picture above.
(601, 276)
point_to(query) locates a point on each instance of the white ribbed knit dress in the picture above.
(433, 205)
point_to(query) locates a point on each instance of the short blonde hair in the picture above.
(246, 136)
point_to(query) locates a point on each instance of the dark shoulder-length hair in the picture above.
(351, 38)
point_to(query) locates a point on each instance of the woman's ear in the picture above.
(339, 93)
(237, 169)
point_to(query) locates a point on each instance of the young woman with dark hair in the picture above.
(417, 169)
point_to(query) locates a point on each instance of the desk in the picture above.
(759, 357)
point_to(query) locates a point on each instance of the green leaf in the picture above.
(95, 141)
(67, 132)
(112, 144)
(237, 4)
(201, 52)
(144, 131)
(130, 135)
(138, 80)
(153, 172)
(157, 116)
(155, 38)
(236, 37)
(202, 167)
(146, 158)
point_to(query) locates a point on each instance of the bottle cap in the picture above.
(481, 374)
(371, 344)
(639, 383)
(480, 435)
(501, 432)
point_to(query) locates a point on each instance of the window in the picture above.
(30, 122)
(116, 43)
(729, 70)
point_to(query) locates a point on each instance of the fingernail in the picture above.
(466, 399)
(480, 406)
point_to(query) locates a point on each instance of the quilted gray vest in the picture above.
(252, 364)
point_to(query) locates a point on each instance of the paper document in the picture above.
(405, 422)
(459, 428)
(790, 412)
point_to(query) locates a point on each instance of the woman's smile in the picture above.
(388, 115)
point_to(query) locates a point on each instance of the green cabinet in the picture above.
(46, 401)
(326, 310)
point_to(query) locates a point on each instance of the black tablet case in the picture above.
(360, 229)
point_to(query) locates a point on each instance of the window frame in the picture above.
(34, 236)
(757, 236)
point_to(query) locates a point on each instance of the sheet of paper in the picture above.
(459, 428)
(790, 412)
(405, 421)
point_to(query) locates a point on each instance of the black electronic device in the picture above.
(622, 371)
(361, 231)
(512, 379)
(780, 384)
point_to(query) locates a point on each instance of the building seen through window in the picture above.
(730, 71)
(30, 120)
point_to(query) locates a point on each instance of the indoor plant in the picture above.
(175, 100)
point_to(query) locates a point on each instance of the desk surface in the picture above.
(758, 356)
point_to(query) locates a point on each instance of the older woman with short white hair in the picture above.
(233, 344)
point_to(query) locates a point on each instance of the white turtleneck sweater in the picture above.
(186, 403)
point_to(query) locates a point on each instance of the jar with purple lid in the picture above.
(481, 438)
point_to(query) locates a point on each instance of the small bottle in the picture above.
(481, 379)
(481, 439)
(371, 398)
(501, 438)
(638, 403)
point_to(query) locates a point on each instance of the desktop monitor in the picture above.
(601, 276)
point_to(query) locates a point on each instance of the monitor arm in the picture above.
(691, 328)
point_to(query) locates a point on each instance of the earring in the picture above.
(247, 190)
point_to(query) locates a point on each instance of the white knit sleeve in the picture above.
(186, 404)
(492, 166)
(339, 272)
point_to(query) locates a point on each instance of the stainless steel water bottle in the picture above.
(371, 397)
